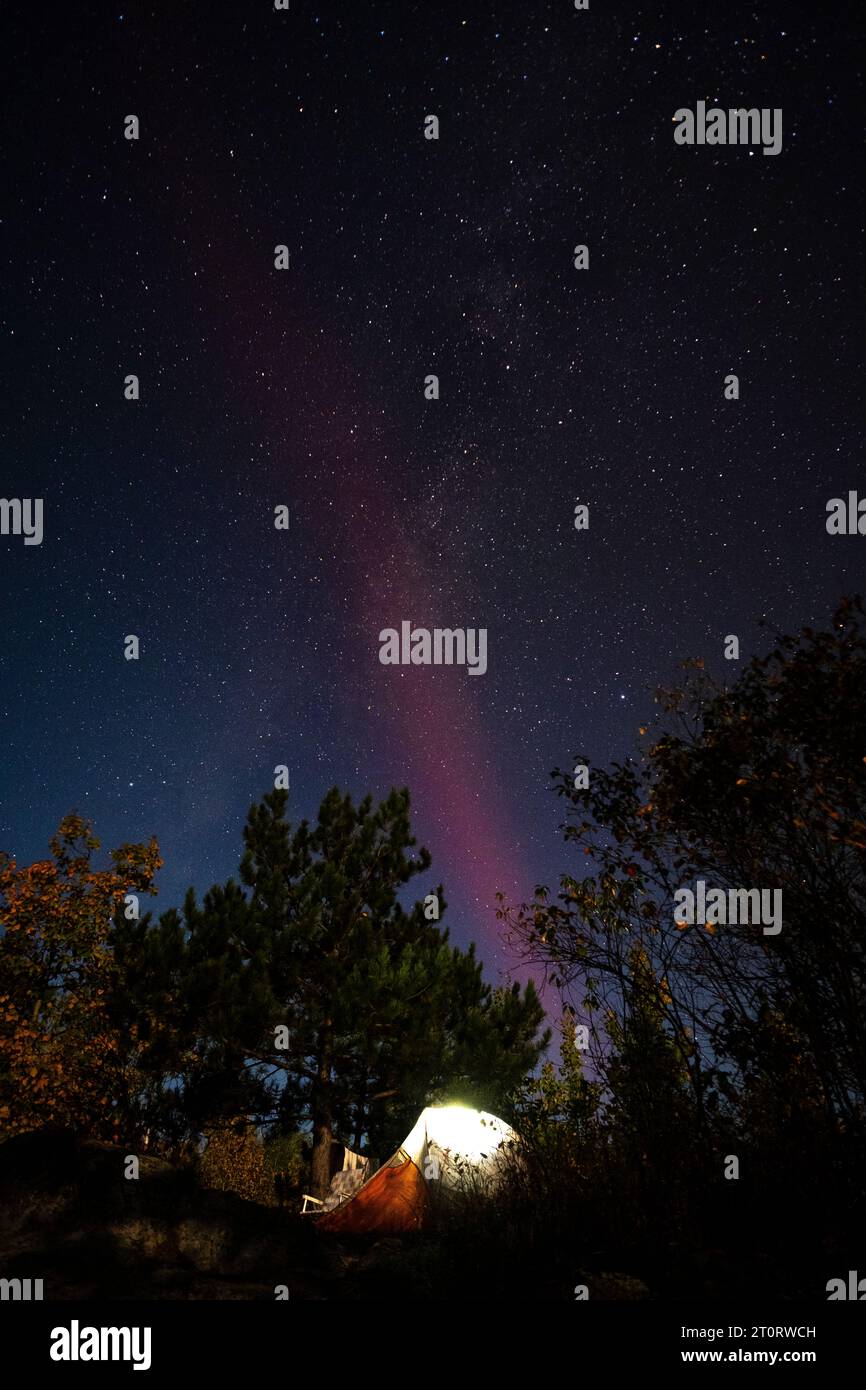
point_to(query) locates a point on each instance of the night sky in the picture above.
(305, 388)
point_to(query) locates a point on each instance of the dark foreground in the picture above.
(69, 1217)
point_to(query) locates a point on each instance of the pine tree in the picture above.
(309, 995)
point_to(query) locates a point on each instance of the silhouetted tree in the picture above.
(703, 1031)
(308, 995)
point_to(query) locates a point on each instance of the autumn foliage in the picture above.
(234, 1161)
(62, 1059)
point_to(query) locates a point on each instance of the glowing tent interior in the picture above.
(450, 1144)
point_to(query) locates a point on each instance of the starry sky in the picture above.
(305, 388)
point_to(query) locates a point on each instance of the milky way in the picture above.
(305, 387)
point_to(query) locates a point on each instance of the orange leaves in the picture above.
(61, 1060)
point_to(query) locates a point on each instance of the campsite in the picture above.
(297, 1081)
(432, 689)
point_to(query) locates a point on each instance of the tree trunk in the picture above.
(322, 1119)
(360, 1127)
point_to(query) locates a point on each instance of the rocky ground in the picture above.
(69, 1216)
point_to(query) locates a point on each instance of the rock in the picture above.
(69, 1216)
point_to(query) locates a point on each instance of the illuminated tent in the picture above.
(451, 1145)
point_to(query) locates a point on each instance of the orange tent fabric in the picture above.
(393, 1200)
(448, 1145)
